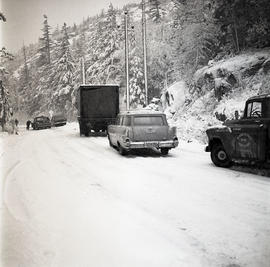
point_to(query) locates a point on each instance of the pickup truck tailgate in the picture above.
(150, 133)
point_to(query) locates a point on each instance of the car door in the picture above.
(249, 134)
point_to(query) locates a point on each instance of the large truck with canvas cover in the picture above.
(98, 106)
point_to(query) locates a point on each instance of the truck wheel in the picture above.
(164, 151)
(121, 150)
(219, 156)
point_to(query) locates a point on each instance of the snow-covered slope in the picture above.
(219, 89)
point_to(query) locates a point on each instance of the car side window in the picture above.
(254, 109)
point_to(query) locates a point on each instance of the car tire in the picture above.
(121, 150)
(220, 157)
(164, 151)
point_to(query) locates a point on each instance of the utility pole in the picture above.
(144, 52)
(126, 57)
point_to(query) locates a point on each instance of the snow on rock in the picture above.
(236, 72)
(219, 92)
(242, 63)
(173, 98)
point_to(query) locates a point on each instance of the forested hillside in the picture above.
(182, 38)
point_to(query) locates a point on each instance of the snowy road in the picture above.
(70, 201)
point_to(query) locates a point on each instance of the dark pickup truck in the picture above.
(98, 106)
(245, 141)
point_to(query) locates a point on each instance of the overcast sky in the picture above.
(25, 17)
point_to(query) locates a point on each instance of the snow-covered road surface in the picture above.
(71, 201)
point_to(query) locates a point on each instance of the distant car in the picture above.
(58, 120)
(142, 129)
(41, 122)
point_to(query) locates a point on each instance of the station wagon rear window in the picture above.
(148, 120)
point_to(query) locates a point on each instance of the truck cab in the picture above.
(245, 140)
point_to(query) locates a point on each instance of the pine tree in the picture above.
(136, 76)
(156, 12)
(104, 45)
(25, 69)
(243, 23)
(5, 105)
(63, 79)
(45, 43)
(196, 40)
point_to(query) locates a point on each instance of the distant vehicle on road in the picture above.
(246, 140)
(41, 122)
(58, 120)
(98, 107)
(142, 129)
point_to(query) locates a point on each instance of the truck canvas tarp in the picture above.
(98, 106)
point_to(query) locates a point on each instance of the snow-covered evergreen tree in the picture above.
(45, 43)
(63, 80)
(5, 105)
(104, 50)
(136, 76)
(156, 11)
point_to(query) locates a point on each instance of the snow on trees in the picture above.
(5, 105)
(45, 43)
(104, 64)
(63, 80)
(156, 11)
(136, 81)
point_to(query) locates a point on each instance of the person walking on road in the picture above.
(28, 123)
(16, 126)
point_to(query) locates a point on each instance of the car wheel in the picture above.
(219, 156)
(164, 151)
(121, 150)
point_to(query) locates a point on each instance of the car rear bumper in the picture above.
(151, 144)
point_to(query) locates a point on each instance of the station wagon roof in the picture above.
(259, 97)
(141, 112)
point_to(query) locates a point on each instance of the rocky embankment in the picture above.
(217, 92)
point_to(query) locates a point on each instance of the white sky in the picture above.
(25, 17)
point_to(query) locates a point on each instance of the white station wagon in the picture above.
(142, 129)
